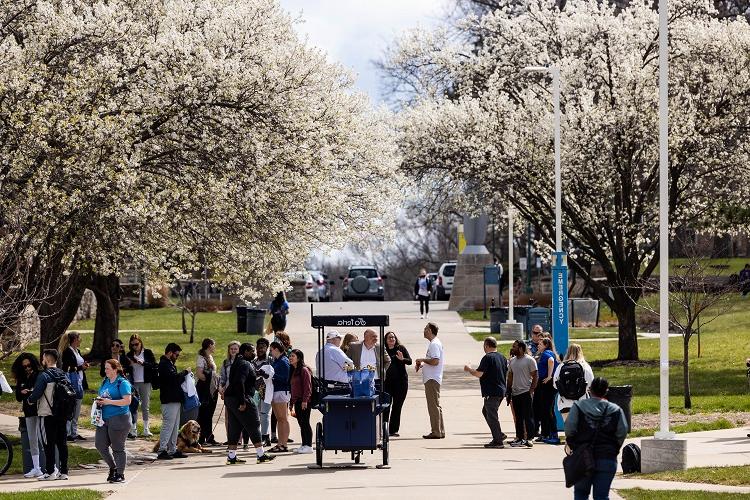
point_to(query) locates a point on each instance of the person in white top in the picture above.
(574, 355)
(432, 377)
(332, 359)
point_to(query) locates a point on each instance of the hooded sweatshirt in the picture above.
(586, 415)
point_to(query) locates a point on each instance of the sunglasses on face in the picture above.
(117, 345)
(134, 345)
(26, 366)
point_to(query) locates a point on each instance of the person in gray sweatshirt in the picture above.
(603, 425)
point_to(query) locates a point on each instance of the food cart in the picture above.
(351, 424)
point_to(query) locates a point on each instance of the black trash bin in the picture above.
(498, 316)
(255, 319)
(539, 316)
(241, 318)
(621, 395)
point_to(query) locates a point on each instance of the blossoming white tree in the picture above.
(493, 132)
(172, 134)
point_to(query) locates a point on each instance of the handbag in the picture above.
(76, 380)
(581, 463)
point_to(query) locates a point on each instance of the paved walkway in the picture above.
(457, 466)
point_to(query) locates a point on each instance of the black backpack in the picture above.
(63, 398)
(155, 385)
(631, 459)
(572, 381)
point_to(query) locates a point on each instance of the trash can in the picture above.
(27, 463)
(583, 311)
(255, 321)
(521, 315)
(498, 316)
(539, 316)
(241, 318)
(621, 395)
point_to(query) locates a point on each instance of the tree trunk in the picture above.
(627, 348)
(686, 369)
(58, 311)
(107, 292)
(192, 325)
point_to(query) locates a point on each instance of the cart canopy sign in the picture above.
(349, 321)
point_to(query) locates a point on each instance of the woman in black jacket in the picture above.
(396, 380)
(144, 373)
(25, 370)
(75, 368)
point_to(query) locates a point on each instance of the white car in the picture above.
(444, 284)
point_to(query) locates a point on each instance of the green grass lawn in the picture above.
(729, 476)
(76, 456)
(61, 494)
(575, 334)
(639, 494)
(721, 423)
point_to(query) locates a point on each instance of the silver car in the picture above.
(362, 283)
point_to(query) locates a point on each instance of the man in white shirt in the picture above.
(432, 377)
(333, 359)
(367, 353)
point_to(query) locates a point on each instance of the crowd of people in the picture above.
(262, 385)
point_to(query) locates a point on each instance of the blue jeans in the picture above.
(604, 473)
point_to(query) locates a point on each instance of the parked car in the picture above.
(304, 288)
(361, 283)
(433, 279)
(322, 286)
(445, 280)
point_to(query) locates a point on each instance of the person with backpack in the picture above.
(145, 376)
(301, 398)
(544, 397)
(572, 379)
(171, 397)
(115, 394)
(56, 401)
(278, 310)
(602, 425)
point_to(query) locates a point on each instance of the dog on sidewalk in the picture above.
(187, 439)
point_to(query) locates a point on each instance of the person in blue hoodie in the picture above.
(603, 425)
(281, 395)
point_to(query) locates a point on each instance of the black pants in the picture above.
(524, 416)
(238, 420)
(545, 394)
(303, 419)
(397, 389)
(56, 437)
(273, 424)
(424, 304)
(206, 417)
(490, 410)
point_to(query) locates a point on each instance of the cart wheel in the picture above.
(357, 456)
(385, 443)
(319, 444)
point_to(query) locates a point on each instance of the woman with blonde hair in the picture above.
(572, 368)
(144, 371)
(207, 387)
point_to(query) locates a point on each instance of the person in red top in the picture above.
(301, 395)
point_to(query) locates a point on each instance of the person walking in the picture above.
(144, 373)
(301, 397)
(396, 380)
(603, 426)
(53, 422)
(75, 368)
(26, 370)
(118, 353)
(368, 353)
(171, 397)
(242, 414)
(432, 377)
(114, 398)
(278, 310)
(522, 380)
(492, 373)
(281, 395)
(207, 387)
(264, 371)
(544, 396)
(422, 291)
(572, 379)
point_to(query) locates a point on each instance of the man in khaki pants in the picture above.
(432, 377)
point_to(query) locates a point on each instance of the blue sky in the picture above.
(355, 32)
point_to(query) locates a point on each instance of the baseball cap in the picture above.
(333, 334)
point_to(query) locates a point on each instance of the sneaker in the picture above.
(265, 458)
(289, 440)
(421, 316)
(79, 438)
(517, 443)
(493, 444)
(235, 461)
(275, 440)
(430, 436)
(112, 474)
(539, 439)
(245, 447)
(394, 434)
(178, 454)
(528, 444)
(48, 477)
(70, 439)
(163, 455)
(33, 473)
(131, 435)
(148, 434)
(119, 478)
(304, 450)
(503, 437)
(62, 477)
(553, 441)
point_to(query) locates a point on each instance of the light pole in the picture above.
(559, 265)
(510, 264)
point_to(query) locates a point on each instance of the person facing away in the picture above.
(522, 380)
(574, 355)
(331, 361)
(54, 423)
(171, 397)
(432, 377)
(492, 373)
(422, 291)
(603, 425)
(278, 310)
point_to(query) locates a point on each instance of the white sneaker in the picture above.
(33, 473)
(421, 316)
(147, 433)
(304, 450)
(62, 477)
(426, 316)
(48, 477)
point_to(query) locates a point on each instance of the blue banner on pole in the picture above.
(491, 275)
(560, 311)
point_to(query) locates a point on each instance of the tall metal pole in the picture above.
(664, 432)
(555, 71)
(510, 264)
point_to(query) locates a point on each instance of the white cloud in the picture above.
(355, 32)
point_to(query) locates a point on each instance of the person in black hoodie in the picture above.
(54, 424)
(241, 410)
(171, 397)
(25, 370)
(144, 375)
